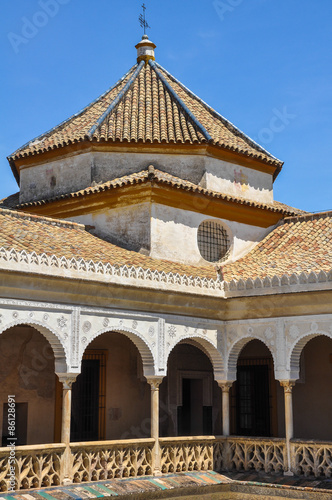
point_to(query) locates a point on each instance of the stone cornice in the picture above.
(279, 284)
(21, 261)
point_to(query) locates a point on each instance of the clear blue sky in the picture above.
(252, 60)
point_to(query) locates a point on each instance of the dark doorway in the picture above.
(85, 403)
(194, 419)
(253, 400)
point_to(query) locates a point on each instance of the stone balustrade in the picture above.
(311, 458)
(258, 454)
(37, 466)
(47, 465)
(97, 461)
(186, 454)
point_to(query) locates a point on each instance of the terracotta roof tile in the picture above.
(147, 105)
(33, 233)
(298, 244)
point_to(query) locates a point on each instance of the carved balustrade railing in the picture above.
(258, 454)
(36, 466)
(186, 454)
(42, 466)
(311, 458)
(111, 459)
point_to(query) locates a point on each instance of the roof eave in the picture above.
(14, 170)
(92, 141)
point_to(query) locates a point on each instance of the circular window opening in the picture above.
(213, 241)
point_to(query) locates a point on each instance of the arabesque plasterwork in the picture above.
(70, 330)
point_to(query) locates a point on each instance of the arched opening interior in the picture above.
(312, 393)
(255, 396)
(190, 399)
(27, 373)
(110, 398)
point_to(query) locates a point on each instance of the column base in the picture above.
(288, 473)
(67, 482)
(157, 472)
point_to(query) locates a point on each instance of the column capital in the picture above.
(154, 382)
(67, 379)
(287, 385)
(225, 385)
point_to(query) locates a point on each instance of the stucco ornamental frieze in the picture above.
(298, 333)
(24, 315)
(178, 332)
(269, 336)
(238, 334)
(72, 329)
(86, 326)
(151, 331)
(62, 322)
(171, 331)
(303, 327)
(55, 325)
(141, 330)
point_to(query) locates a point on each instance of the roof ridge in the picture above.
(312, 216)
(218, 115)
(75, 115)
(41, 218)
(192, 117)
(117, 99)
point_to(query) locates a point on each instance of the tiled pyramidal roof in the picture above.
(148, 105)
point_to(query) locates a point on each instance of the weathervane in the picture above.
(143, 22)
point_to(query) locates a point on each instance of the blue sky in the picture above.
(266, 65)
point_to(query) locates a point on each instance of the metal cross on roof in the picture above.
(143, 22)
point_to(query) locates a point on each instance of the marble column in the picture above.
(155, 383)
(67, 381)
(289, 423)
(225, 387)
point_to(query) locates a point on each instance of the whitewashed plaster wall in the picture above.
(174, 235)
(237, 181)
(111, 165)
(79, 171)
(55, 178)
(167, 232)
(128, 226)
(211, 173)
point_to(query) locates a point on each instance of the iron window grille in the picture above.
(213, 241)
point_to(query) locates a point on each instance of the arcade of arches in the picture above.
(111, 398)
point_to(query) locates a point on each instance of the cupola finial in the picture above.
(145, 48)
(142, 19)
